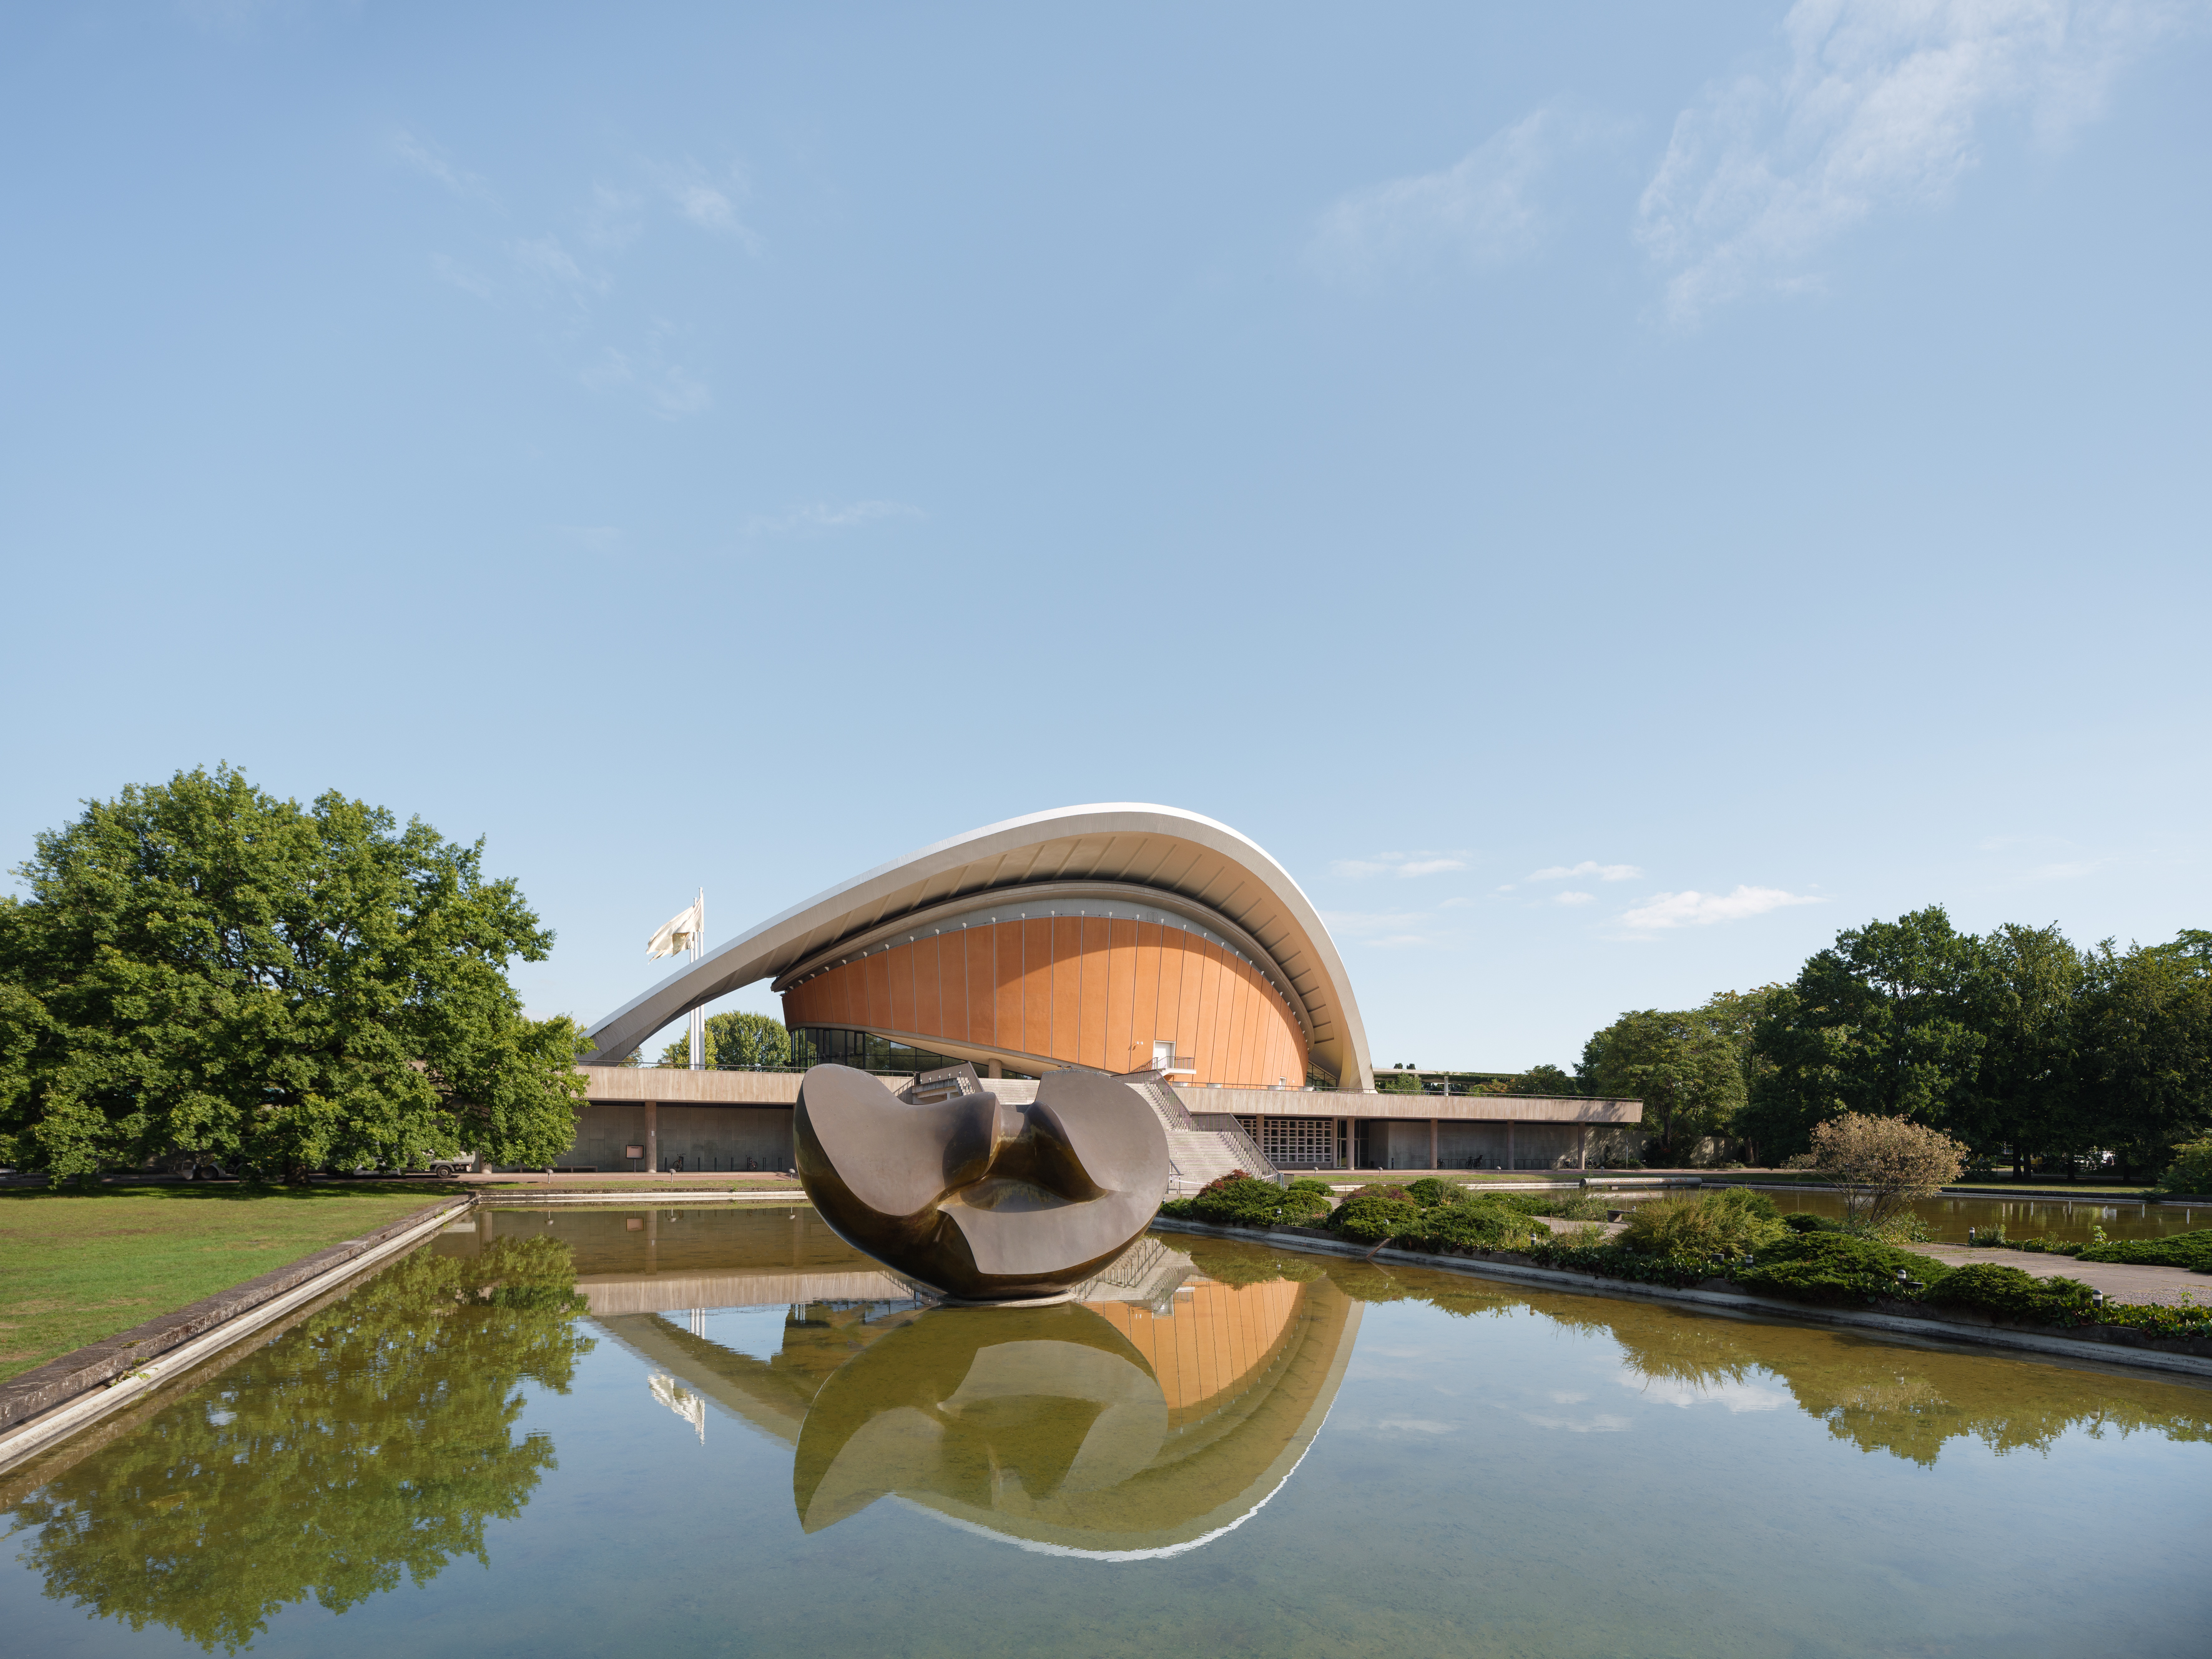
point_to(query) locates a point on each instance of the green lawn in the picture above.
(504, 1186)
(76, 1267)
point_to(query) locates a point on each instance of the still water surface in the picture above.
(2072, 1220)
(754, 1442)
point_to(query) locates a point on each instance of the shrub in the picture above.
(1313, 1184)
(1705, 1227)
(1242, 1201)
(1469, 1226)
(1383, 1189)
(2191, 1168)
(1371, 1216)
(1883, 1163)
(1804, 1221)
(1430, 1190)
(2011, 1294)
(1836, 1267)
(2174, 1250)
(1581, 1207)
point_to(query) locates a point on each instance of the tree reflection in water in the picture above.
(1880, 1397)
(373, 1439)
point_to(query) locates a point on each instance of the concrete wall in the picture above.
(1520, 1108)
(706, 1137)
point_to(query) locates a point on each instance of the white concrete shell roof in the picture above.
(1181, 860)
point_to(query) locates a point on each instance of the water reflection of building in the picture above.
(1119, 1428)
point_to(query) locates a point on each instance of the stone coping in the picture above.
(100, 1364)
(2105, 1344)
(649, 1201)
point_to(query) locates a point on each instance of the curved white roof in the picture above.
(1193, 864)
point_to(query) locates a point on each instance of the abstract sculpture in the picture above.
(973, 1195)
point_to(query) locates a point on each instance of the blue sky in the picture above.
(1608, 495)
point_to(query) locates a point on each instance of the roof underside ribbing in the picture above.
(1204, 866)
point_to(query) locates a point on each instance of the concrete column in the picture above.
(995, 1070)
(652, 1136)
(1581, 1148)
(653, 1241)
(1433, 1142)
(1511, 1163)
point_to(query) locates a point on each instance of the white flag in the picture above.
(676, 934)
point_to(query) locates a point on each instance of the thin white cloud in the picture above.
(708, 203)
(1879, 103)
(1587, 867)
(545, 259)
(1480, 211)
(1401, 864)
(2067, 871)
(461, 276)
(425, 160)
(1695, 910)
(826, 515)
(1572, 897)
(673, 393)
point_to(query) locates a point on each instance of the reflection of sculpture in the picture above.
(975, 1196)
(1099, 1428)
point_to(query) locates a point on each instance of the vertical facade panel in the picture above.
(1121, 996)
(1207, 1048)
(876, 981)
(929, 996)
(1037, 986)
(1091, 1046)
(1006, 985)
(1145, 1018)
(1240, 1018)
(899, 967)
(980, 989)
(952, 984)
(1067, 986)
(1175, 953)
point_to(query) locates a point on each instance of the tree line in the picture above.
(2039, 1054)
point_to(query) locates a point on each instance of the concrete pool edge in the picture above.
(2102, 1349)
(51, 1401)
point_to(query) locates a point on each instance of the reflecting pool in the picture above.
(2072, 1220)
(699, 1431)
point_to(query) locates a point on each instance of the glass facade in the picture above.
(830, 1045)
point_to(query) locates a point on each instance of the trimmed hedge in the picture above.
(1839, 1267)
(2011, 1294)
(2190, 1250)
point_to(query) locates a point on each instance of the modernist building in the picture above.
(1121, 939)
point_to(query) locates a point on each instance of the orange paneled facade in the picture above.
(1080, 990)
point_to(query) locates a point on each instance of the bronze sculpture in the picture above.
(973, 1195)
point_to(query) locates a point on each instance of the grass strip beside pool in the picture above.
(78, 1267)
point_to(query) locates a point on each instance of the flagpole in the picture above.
(699, 1015)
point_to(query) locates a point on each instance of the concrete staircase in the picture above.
(1198, 1154)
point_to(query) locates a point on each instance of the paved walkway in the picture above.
(2120, 1281)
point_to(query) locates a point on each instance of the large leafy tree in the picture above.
(1883, 1022)
(201, 968)
(1683, 1066)
(2146, 1025)
(2025, 1003)
(736, 1042)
